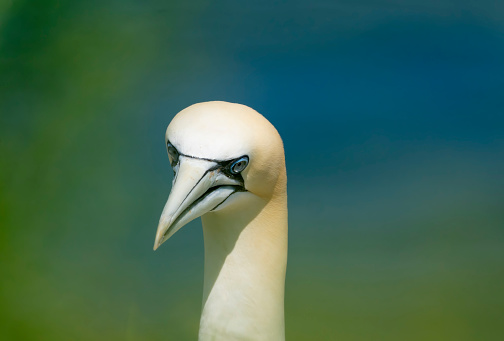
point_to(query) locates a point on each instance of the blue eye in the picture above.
(239, 165)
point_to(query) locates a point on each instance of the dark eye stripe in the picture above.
(173, 153)
(231, 168)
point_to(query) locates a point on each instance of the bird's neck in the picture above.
(245, 263)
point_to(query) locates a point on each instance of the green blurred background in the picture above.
(392, 114)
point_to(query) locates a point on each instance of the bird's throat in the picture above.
(245, 262)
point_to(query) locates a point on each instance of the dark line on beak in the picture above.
(175, 178)
(197, 201)
(198, 158)
(236, 190)
(204, 174)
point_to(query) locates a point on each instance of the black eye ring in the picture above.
(173, 154)
(239, 165)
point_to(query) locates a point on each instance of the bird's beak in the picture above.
(198, 187)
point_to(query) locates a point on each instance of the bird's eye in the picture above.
(239, 165)
(173, 155)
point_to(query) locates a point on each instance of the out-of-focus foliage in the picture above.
(392, 118)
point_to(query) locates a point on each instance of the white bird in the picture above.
(229, 169)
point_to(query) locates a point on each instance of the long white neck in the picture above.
(245, 263)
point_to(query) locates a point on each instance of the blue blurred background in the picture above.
(392, 115)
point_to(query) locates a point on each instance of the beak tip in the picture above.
(163, 226)
(158, 243)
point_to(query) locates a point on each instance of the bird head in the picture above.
(221, 154)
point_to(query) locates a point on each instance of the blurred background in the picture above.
(392, 115)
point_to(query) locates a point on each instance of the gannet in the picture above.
(229, 168)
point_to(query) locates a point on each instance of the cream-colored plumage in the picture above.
(244, 215)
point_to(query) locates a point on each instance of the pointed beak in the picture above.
(199, 187)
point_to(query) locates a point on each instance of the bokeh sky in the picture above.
(392, 116)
